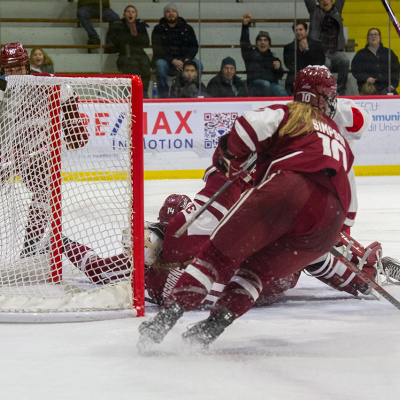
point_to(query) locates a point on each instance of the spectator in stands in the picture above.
(130, 37)
(308, 52)
(88, 9)
(174, 42)
(40, 61)
(326, 25)
(186, 84)
(263, 69)
(370, 66)
(227, 83)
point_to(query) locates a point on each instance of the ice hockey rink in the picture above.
(314, 343)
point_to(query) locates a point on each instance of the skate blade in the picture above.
(192, 344)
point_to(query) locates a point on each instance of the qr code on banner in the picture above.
(215, 125)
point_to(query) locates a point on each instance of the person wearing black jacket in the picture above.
(227, 83)
(174, 42)
(371, 65)
(130, 37)
(186, 84)
(263, 69)
(308, 52)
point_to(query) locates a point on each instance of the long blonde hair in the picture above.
(301, 116)
(46, 59)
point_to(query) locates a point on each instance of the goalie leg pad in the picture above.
(334, 273)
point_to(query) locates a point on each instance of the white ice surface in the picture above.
(315, 343)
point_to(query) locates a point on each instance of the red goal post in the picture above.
(93, 192)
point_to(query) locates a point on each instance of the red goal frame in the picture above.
(137, 180)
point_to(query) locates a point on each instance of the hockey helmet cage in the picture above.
(315, 85)
(14, 55)
(173, 204)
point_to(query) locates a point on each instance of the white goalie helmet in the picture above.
(152, 247)
(153, 239)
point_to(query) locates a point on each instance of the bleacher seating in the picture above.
(52, 25)
(361, 15)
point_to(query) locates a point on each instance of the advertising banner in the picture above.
(179, 137)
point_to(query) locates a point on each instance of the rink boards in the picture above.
(179, 137)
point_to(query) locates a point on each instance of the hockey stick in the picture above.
(249, 167)
(391, 16)
(364, 277)
(6, 164)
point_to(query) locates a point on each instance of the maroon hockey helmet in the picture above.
(173, 204)
(315, 85)
(14, 55)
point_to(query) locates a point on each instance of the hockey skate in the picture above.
(391, 266)
(205, 332)
(29, 248)
(153, 331)
(35, 246)
(65, 242)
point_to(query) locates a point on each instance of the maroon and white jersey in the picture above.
(159, 283)
(187, 246)
(324, 149)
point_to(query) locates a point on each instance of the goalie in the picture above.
(26, 138)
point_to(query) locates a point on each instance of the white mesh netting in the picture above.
(61, 222)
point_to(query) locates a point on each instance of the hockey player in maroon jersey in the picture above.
(162, 273)
(166, 257)
(14, 60)
(172, 255)
(303, 198)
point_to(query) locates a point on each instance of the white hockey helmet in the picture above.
(153, 239)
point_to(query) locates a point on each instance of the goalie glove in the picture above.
(3, 86)
(233, 167)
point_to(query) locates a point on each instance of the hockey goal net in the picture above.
(71, 171)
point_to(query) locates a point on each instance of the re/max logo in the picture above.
(164, 123)
(175, 123)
